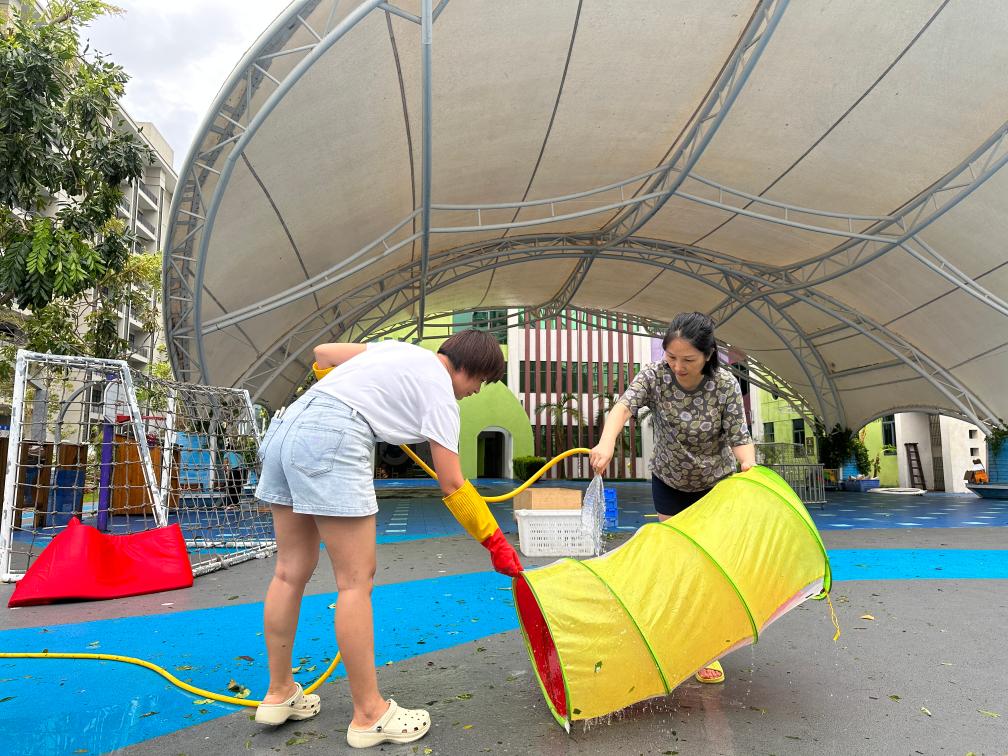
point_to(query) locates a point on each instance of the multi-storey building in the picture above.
(144, 208)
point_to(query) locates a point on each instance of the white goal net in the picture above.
(125, 452)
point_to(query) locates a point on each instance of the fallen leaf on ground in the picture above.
(894, 697)
(989, 713)
(467, 727)
(245, 658)
(925, 710)
(867, 617)
(201, 701)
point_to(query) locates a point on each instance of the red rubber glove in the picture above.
(502, 554)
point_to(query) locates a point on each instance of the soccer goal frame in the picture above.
(126, 452)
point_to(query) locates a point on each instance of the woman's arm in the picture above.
(602, 452)
(746, 455)
(447, 467)
(735, 427)
(334, 354)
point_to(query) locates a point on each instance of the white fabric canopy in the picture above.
(823, 178)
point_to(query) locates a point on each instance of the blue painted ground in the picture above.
(95, 707)
(99, 706)
(411, 508)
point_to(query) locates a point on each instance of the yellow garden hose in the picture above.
(246, 701)
(165, 673)
(515, 492)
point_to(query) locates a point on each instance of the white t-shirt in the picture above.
(402, 390)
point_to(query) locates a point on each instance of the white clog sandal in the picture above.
(397, 725)
(300, 705)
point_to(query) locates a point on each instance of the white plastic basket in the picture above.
(553, 532)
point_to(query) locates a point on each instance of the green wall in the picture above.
(494, 406)
(780, 413)
(888, 470)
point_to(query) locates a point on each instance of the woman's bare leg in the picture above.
(297, 555)
(350, 544)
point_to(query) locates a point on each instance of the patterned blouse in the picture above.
(694, 430)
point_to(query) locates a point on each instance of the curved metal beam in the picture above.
(652, 252)
(911, 220)
(960, 397)
(708, 119)
(177, 266)
(632, 325)
(241, 139)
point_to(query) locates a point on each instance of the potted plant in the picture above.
(863, 461)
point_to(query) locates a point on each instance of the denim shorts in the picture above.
(317, 457)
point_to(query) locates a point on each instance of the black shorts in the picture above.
(671, 501)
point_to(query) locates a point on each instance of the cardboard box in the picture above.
(549, 498)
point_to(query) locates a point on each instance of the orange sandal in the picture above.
(716, 666)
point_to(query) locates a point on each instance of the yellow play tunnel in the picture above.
(634, 623)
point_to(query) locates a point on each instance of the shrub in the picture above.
(861, 457)
(526, 467)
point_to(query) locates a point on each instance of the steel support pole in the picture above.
(426, 36)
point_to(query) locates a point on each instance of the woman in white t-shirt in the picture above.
(317, 475)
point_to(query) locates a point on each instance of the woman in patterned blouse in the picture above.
(699, 422)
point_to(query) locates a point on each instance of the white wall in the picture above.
(913, 427)
(956, 451)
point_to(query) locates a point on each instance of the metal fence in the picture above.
(806, 479)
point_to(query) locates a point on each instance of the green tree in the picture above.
(836, 446)
(558, 413)
(87, 323)
(64, 154)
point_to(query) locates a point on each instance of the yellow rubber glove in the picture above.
(472, 512)
(320, 373)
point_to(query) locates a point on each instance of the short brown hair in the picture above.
(475, 353)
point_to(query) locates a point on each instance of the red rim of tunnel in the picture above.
(541, 646)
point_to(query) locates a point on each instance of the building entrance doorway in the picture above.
(490, 451)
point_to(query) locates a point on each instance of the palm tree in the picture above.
(564, 409)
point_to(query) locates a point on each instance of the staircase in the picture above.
(914, 466)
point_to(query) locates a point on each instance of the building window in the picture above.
(768, 433)
(494, 321)
(798, 431)
(973, 433)
(974, 451)
(889, 434)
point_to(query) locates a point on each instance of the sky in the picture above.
(178, 55)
